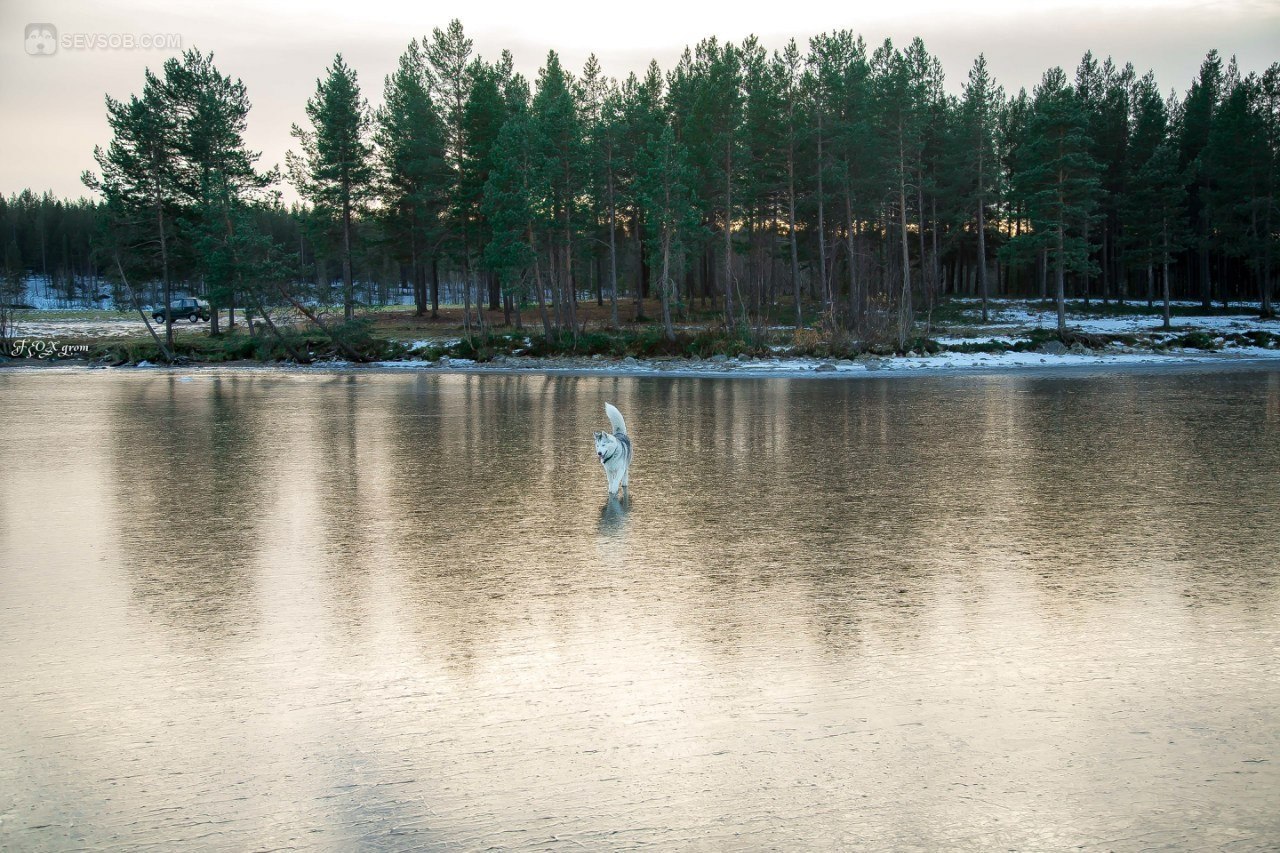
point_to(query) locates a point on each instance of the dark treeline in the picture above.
(51, 238)
(840, 184)
(56, 242)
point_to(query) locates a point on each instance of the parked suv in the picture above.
(190, 309)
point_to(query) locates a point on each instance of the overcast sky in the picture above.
(53, 105)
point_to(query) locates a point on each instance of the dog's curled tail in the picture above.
(615, 418)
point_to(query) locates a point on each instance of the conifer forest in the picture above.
(836, 181)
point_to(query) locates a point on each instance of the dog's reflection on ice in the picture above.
(613, 515)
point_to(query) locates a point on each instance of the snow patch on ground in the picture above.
(952, 340)
(764, 367)
(1023, 317)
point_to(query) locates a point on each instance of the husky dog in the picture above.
(615, 451)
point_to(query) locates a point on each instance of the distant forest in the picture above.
(840, 184)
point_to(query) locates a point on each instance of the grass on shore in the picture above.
(387, 335)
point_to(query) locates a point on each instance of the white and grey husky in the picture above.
(615, 451)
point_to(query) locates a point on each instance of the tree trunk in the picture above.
(666, 285)
(935, 277)
(1106, 265)
(571, 289)
(925, 284)
(1059, 294)
(435, 287)
(164, 271)
(904, 304)
(613, 257)
(1206, 288)
(266, 318)
(728, 233)
(348, 281)
(466, 297)
(791, 230)
(982, 256)
(1164, 231)
(415, 271)
(822, 228)
(1084, 275)
(133, 297)
(542, 297)
(640, 269)
(852, 255)
(320, 323)
(1043, 263)
(1264, 272)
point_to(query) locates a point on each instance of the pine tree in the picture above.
(413, 176)
(1012, 138)
(607, 139)
(706, 103)
(560, 152)
(1270, 215)
(449, 60)
(642, 119)
(1160, 193)
(140, 185)
(483, 115)
(855, 149)
(927, 80)
(980, 112)
(665, 190)
(787, 66)
(219, 179)
(11, 289)
(823, 73)
(334, 171)
(1111, 131)
(1058, 180)
(763, 170)
(898, 100)
(1148, 134)
(1240, 160)
(1088, 92)
(513, 196)
(1198, 109)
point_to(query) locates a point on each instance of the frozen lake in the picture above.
(333, 611)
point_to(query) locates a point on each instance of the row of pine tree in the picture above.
(842, 184)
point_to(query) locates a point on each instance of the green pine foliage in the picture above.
(1058, 182)
(413, 175)
(828, 182)
(665, 188)
(335, 171)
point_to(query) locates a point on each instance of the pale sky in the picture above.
(53, 105)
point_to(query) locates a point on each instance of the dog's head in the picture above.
(604, 444)
(41, 39)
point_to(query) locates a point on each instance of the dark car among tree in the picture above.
(184, 309)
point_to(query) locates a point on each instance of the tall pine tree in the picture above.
(335, 169)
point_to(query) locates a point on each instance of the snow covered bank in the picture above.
(949, 362)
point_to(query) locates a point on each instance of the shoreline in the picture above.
(1015, 339)
(902, 367)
